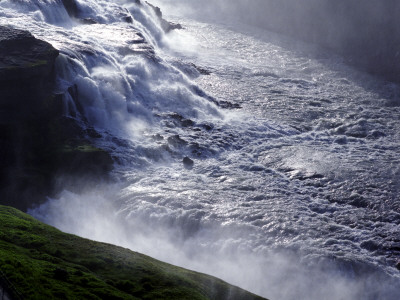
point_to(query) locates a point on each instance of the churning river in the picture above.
(294, 191)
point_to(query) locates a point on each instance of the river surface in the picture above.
(294, 191)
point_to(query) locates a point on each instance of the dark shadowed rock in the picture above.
(38, 143)
(187, 162)
(71, 7)
(26, 83)
(228, 105)
(176, 141)
(158, 137)
(26, 74)
(88, 21)
(127, 19)
(24, 61)
(180, 120)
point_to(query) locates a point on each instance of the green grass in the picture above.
(45, 263)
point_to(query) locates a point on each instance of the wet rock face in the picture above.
(71, 7)
(37, 142)
(26, 71)
(23, 56)
(26, 66)
(26, 80)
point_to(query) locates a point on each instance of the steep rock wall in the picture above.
(38, 141)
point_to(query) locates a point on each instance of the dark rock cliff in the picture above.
(38, 142)
(26, 71)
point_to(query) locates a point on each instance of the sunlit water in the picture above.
(294, 192)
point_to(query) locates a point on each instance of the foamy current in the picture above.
(295, 185)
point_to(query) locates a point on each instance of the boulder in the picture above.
(187, 163)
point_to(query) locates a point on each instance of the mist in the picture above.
(366, 33)
(190, 241)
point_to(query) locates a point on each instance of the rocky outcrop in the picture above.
(71, 7)
(26, 68)
(38, 143)
(26, 79)
(166, 25)
(188, 163)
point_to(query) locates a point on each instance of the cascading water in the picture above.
(294, 189)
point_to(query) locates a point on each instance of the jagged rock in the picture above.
(180, 120)
(158, 137)
(190, 69)
(156, 9)
(187, 162)
(166, 26)
(207, 127)
(228, 105)
(201, 70)
(176, 141)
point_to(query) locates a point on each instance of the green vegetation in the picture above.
(37, 63)
(45, 263)
(81, 148)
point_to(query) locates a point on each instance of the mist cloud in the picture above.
(165, 235)
(366, 32)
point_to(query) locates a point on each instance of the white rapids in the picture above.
(296, 178)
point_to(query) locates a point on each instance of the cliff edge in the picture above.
(38, 140)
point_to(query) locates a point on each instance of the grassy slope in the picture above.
(45, 263)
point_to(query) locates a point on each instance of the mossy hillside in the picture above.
(45, 263)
